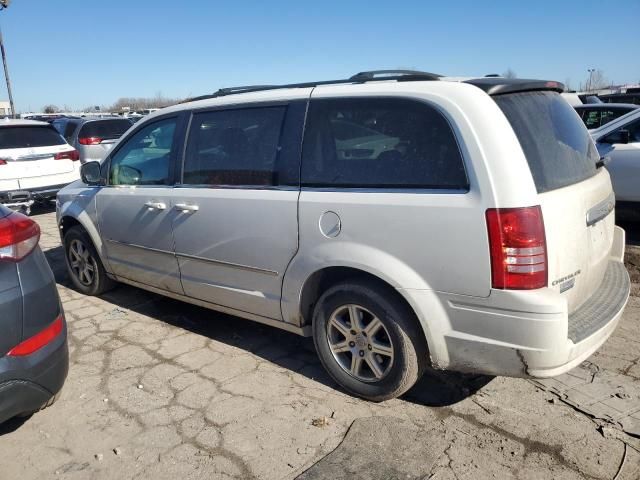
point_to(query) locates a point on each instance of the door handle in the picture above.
(187, 208)
(156, 205)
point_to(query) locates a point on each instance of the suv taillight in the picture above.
(39, 340)
(19, 235)
(518, 248)
(89, 140)
(3, 161)
(73, 155)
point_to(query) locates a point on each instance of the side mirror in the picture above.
(90, 173)
(619, 136)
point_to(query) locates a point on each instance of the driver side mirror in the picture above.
(619, 136)
(90, 173)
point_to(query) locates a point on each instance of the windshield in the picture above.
(105, 129)
(557, 145)
(29, 137)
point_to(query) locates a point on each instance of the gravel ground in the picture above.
(160, 389)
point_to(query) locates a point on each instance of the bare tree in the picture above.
(568, 85)
(597, 80)
(51, 109)
(510, 73)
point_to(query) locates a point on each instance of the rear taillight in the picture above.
(70, 155)
(3, 162)
(39, 340)
(89, 140)
(518, 248)
(19, 235)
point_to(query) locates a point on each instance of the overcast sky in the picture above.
(81, 52)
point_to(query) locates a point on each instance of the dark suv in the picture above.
(34, 359)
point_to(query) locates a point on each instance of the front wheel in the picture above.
(83, 263)
(368, 340)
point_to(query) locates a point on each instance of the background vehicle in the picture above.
(34, 358)
(412, 220)
(620, 141)
(93, 138)
(35, 162)
(596, 115)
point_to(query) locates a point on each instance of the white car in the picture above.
(35, 163)
(402, 219)
(620, 141)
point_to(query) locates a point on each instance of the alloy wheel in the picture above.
(360, 343)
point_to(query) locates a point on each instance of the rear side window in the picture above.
(234, 147)
(29, 137)
(558, 147)
(105, 129)
(380, 143)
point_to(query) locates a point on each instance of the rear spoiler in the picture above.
(500, 85)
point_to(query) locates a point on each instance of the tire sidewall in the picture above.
(391, 316)
(95, 288)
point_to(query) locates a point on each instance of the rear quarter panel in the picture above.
(429, 240)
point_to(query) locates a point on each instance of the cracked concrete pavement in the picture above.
(161, 389)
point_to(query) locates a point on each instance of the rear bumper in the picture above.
(527, 334)
(27, 383)
(31, 194)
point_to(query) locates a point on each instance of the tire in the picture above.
(392, 353)
(77, 242)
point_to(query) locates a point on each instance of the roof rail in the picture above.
(361, 77)
(399, 75)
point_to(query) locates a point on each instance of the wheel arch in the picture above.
(69, 220)
(321, 279)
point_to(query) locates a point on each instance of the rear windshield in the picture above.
(105, 129)
(29, 136)
(556, 143)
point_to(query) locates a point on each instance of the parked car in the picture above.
(402, 223)
(35, 162)
(619, 142)
(92, 137)
(34, 359)
(596, 115)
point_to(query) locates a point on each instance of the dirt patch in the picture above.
(632, 262)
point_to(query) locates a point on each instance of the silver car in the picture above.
(619, 142)
(92, 137)
(410, 222)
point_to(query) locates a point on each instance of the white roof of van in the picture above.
(12, 122)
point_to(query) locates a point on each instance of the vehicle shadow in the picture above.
(287, 350)
(631, 228)
(12, 425)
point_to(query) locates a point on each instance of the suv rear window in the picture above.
(29, 137)
(105, 129)
(558, 147)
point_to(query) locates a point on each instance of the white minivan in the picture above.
(35, 163)
(402, 219)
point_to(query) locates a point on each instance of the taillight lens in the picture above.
(19, 235)
(89, 140)
(3, 161)
(518, 248)
(39, 340)
(70, 155)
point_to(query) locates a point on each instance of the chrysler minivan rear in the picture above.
(558, 282)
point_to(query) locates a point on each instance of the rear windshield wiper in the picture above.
(603, 161)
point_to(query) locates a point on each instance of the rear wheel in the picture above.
(368, 340)
(83, 263)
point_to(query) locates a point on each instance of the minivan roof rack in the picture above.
(361, 77)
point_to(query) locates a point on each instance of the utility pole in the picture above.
(590, 70)
(4, 4)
